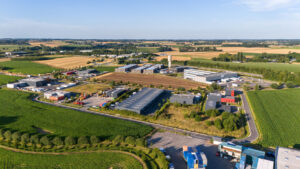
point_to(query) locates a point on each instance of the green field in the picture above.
(273, 66)
(8, 48)
(27, 67)
(278, 116)
(147, 49)
(18, 112)
(106, 68)
(101, 160)
(4, 79)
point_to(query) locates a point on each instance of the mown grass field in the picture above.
(99, 160)
(4, 79)
(273, 66)
(19, 112)
(278, 116)
(27, 67)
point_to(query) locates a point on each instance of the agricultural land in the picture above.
(278, 116)
(4, 79)
(89, 88)
(26, 67)
(67, 62)
(19, 112)
(155, 80)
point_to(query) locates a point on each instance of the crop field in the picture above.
(203, 55)
(273, 66)
(27, 67)
(106, 68)
(99, 160)
(178, 58)
(67, 62)
(4, 59)
(155, 79)
(19, 112)
(89, 88)
(8, 48)
(278, 116)
(54, 43)
(4, 79)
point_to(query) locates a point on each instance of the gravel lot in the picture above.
(173, 145)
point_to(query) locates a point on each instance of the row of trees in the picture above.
(247, 44)
(227, 57)
(197, 49)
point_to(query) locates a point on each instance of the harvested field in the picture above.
(148, 80)
(49, 43)
(258, 50)
(68, 62)
(178, 58)
(204, 55)
(4, 59)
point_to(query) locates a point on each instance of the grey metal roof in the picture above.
(140, 100)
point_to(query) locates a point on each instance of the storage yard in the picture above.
(156, 80)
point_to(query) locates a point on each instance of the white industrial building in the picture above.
(208, 77)
(287, 158)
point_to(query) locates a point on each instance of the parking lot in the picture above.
(95, 101)
(173, 143)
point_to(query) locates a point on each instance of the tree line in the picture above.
(198, 49)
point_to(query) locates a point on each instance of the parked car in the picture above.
(168, 157)
(171, 166)
(217, 153)
(162, 150)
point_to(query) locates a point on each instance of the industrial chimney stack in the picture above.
(169, 61)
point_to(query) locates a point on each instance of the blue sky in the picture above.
(150, 19)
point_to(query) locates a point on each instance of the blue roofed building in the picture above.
(194, 157)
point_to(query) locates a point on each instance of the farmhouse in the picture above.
(185, 98)
(207, 77)
(126, 68)
(287, 158)
(143, 102)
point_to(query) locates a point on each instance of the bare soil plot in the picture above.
(155, 79)
(49, 43)
(89, 88)
(68, 62)
(4, 59)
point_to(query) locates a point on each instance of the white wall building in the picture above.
(208, 77)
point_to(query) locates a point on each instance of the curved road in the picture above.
(253, 131)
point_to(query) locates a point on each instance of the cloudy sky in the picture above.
(150, 19)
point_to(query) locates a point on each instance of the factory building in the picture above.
(57, 95)
(34, 81)
(213, 101)
(126, 68)
(87, 73)
(287, 158)
(115, 93)
(143, 102)
(141, 69)
(153, 69)
(185, 99)
(207, 77)
(16, 85)
(228, 99)
(230, 92)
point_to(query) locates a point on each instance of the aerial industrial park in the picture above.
(149, 84)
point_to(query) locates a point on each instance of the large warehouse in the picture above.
(207, 77)
(143, 102)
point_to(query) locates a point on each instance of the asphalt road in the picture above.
(251, 123)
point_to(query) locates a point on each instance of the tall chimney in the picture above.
(169, 61)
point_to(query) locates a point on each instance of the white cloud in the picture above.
(269, 5)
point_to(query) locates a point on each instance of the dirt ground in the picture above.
(49, 43)
(148, 80)
(67, 62)
(4, 59)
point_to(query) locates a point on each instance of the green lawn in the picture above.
(18, 112)
(4, 79)
(274, 66)
(101, 160)
(278, 116)
(106, 68)
(27, 67)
